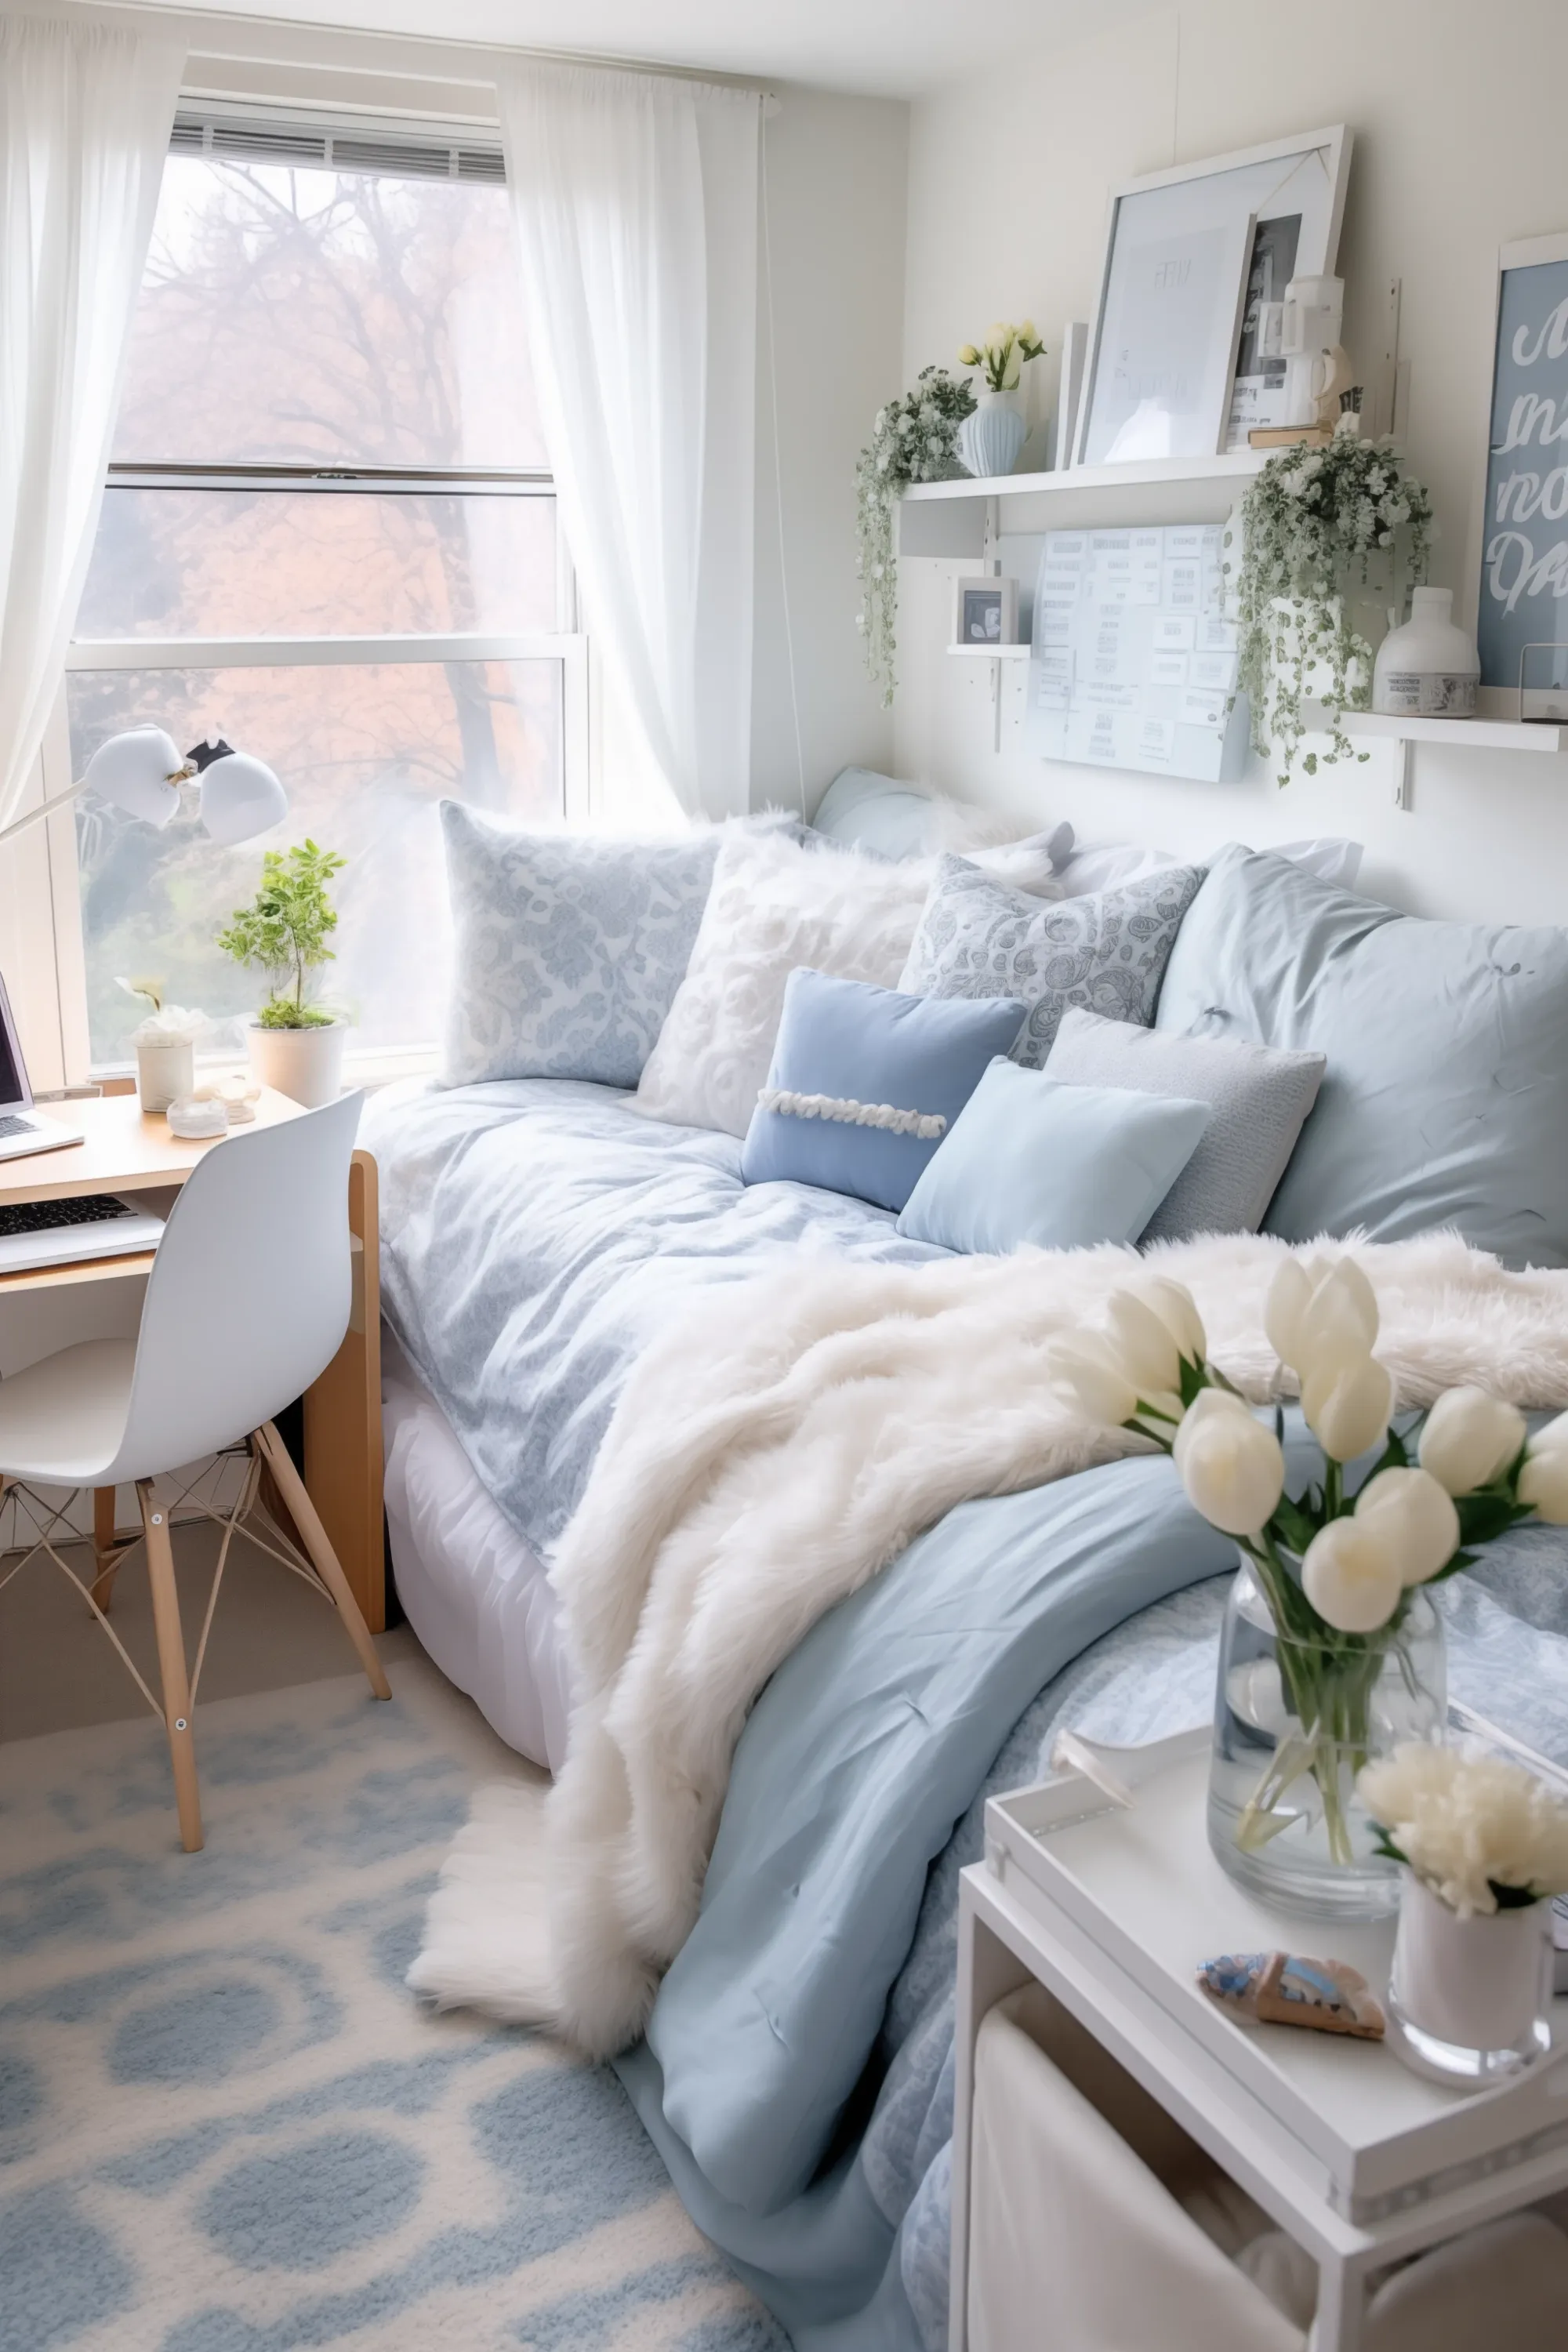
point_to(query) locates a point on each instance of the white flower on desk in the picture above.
(1483, 1834)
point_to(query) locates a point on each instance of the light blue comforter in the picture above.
(797, 2071)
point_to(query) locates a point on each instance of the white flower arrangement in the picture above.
(166, 1025)
(913, 439)
(1337, 1573)
(1003, 354)
(1484, 1835)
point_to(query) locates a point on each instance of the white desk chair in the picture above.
(247, 1302)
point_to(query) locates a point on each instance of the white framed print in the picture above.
(984, 614)
(1190, 254)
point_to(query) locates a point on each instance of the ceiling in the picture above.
(893, 49)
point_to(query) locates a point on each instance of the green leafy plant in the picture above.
(1315, 523)
(285, 930)
(913, 439)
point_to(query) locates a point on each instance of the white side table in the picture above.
(1111, 1909)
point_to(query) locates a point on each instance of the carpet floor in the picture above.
(225, 2127)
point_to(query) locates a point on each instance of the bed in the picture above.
(538, 1236)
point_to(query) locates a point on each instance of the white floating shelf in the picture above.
(1138, 474)
(1458, 734)
(950, 519)
(992, 652)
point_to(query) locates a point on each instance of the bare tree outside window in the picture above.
(334, 324)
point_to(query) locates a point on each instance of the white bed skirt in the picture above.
(474, 1590)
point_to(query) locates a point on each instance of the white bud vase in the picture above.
(1469, 2000)
(990, 441)
(164, 1073)
(1429, 668)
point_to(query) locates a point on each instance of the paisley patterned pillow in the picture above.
(1106, 952)
(569, 949)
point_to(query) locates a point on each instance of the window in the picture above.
(329, 533)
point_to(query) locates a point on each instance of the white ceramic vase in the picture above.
(1429, 668)
(164, 1073)
(990, 441)
(1469, 2000)
(306, 1064)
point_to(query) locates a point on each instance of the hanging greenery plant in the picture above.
(1315, 524)
(913, 439)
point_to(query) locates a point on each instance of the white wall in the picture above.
(1456, 112)
(836, 172)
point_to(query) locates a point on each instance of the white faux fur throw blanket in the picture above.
(768, 1456)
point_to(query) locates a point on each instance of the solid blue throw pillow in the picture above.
(865, 1083)
(1034, 1161)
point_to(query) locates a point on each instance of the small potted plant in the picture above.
(295, 1046)
(913, 439)
(1318, 526)
(989, 441)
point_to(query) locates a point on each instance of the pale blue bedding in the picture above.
(798, 2074)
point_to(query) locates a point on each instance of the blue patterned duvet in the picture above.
(797, 2073)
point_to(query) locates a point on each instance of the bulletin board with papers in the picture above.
(1133, 662)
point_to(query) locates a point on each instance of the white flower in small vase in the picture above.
(1483, 1846)
(1330, 1609)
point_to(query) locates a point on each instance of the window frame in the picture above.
(41, 876)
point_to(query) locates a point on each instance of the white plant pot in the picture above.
(1469, 2000)
(163, 1073)
(306, 1064)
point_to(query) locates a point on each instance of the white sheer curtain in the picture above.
(85, 115)
(634, 201)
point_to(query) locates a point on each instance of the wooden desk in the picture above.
(125, 1152)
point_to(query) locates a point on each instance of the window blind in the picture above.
(406, 150)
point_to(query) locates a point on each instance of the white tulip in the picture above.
(1230, 1465)
(1543, 1481)
(1174, 1304)
(1420, 1514)
(1148, 1353)
(1350, 1573)
(1321, 1315)
(1290, 1294)
(1469, 1439)
(1089, 1372)
(1347, 1406)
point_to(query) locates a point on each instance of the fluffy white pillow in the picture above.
(774, 905)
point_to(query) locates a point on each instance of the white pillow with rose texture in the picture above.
(775, 906)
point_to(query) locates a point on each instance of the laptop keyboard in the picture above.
(41, 1216)
(10, 1125)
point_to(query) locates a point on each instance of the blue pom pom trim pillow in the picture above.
(865, 1083)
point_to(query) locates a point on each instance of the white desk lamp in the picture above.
(141, 771)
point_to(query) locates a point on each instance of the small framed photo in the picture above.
(984, 614)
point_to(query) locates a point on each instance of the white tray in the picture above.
(1139, 1881)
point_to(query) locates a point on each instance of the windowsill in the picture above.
(372, 1068)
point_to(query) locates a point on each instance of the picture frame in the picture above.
(984, 613)
(1188, 253)
(1521, 619)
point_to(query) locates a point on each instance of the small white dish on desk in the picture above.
(197, 1119)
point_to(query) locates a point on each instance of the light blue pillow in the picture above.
(865, 1083)
(1444, 1101)
(876, 813)
(568, 949)
(1034, 1161)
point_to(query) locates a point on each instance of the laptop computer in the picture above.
(21, 1127)
(56, 1233)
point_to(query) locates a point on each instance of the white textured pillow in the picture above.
(775, 906)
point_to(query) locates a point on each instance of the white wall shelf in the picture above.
(952, 518)
(992, 652)
(1455, 734)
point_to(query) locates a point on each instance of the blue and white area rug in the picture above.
(225, 2126)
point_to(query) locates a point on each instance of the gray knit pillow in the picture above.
(1259, 1096)
(1107, 951)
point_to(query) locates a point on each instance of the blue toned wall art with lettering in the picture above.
(1524, 542)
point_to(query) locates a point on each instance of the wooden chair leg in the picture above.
(174, 1677)
(105, 1551)
(324, 1559)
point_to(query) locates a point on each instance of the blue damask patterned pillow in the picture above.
(1106, 952)
(568, 949)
